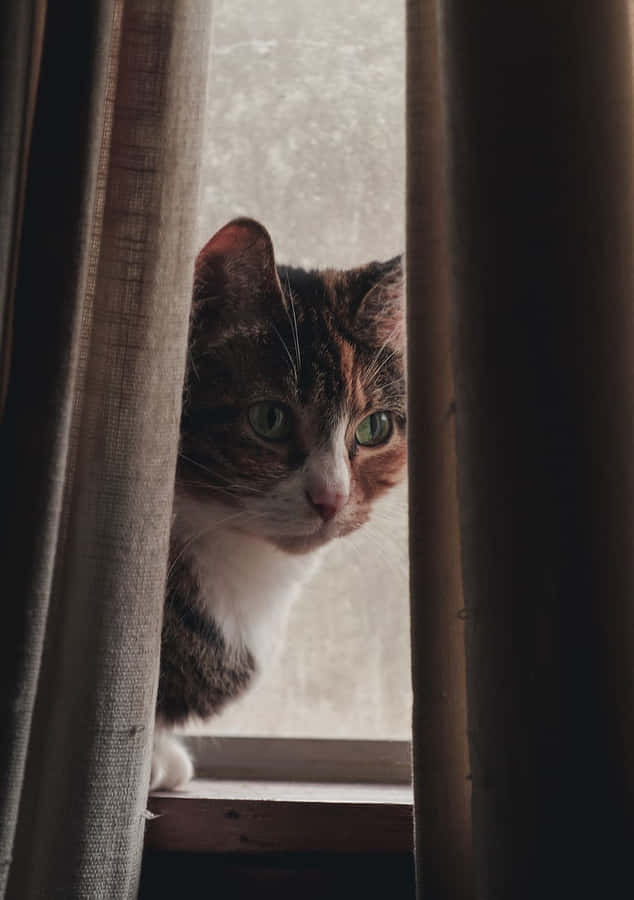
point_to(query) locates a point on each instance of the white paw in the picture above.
(172, 768)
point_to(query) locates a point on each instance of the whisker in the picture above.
(217, 474)
(233, 490)
(387, 550)
(373, 378)
(212, 488)
(370, 373)
(200, 534)
(244, 515)
(288, 352)
(353, 541)
(294, 324)
(193, 366)
(196, 463)
(392, 383)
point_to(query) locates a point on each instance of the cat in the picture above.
(293, 423)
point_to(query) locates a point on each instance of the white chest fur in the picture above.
(246, 584)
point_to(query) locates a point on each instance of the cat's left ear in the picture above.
(380, 308)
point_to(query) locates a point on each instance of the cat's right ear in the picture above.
(236, 268)
(380, 307)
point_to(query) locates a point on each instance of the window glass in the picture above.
(306, 134)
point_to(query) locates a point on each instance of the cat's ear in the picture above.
(380, 304)
(237, 265)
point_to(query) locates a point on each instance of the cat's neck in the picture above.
(246, 584)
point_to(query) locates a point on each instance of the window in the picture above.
(306, 134)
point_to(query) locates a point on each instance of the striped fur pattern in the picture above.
(251, 514)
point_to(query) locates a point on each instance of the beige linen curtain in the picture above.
(100, 134)
(520, 285)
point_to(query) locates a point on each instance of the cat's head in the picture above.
(294, 411)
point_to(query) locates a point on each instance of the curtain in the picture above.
(101, 128)
(521, 330)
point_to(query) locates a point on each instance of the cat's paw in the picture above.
(172, 768)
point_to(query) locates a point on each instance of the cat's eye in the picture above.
(270, 421)
(375, 429)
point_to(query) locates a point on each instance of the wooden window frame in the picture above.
(301, 759)
(288, 795)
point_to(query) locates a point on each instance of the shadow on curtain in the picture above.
(520, 282)
(100, 135)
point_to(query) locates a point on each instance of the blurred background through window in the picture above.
(305, 133)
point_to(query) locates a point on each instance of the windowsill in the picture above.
(320, 760)
(226, 816)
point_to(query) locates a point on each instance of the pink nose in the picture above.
(327, 502)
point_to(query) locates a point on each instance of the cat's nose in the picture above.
(327, 502)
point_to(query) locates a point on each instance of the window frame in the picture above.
(288, 795)
(327, 760)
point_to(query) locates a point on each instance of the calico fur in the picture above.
(251, 515)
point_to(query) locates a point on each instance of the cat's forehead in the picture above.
(350, 372)
(301, 347)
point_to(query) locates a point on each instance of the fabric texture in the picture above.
(89, 433)
(20, 45)
(520, 212)
(440, 752)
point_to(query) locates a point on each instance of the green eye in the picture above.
(374, 429)
(270, 421)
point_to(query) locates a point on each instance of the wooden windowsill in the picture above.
(301, 759)
(226, 816)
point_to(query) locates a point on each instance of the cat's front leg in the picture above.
(172, 768)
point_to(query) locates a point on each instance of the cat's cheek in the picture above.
(359, 518)
(379, 472)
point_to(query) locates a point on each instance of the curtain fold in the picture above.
(89, 435)
(537, 160)
(440, 749)
(21, 26)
